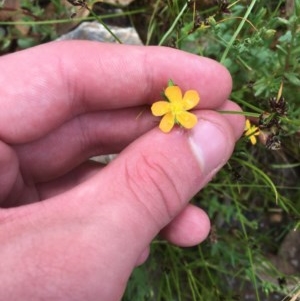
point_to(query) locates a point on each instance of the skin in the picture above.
(72, 229)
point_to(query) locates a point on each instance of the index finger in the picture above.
(44, 86)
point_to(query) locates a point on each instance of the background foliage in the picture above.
(254, 202)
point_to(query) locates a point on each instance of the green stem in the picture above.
(290, 46)
(248, 248)
(103, 24)
(173, 25)
(245, 103)
(68, 20)
(233, 38)
(250, 114)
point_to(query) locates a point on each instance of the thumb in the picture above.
(96, 231)
(152, 180)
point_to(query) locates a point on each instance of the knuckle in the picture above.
(153, 185)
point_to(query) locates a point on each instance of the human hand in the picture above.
(75, 230)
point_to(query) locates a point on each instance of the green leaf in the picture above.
(292, 78)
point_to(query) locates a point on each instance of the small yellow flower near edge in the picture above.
(174, 111)
(251, 131)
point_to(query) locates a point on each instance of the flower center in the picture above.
(177, 107)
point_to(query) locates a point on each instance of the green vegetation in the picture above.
(254, 202)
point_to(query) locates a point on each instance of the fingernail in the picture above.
(211, 146)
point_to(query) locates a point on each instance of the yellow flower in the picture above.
(251, 131)
(175, 109)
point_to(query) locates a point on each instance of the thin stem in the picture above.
(103, 24)
(248, 249)
(165, 36)
(68, 20)
(233, 38)
(245, 103)
(250, 114)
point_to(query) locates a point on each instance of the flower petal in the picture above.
(187, 119)
(253, 130)
(173, 93)
(247, 125)
(253, 139)
(248, 133)
(191, 99)
(160, 108)
(167, 123)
